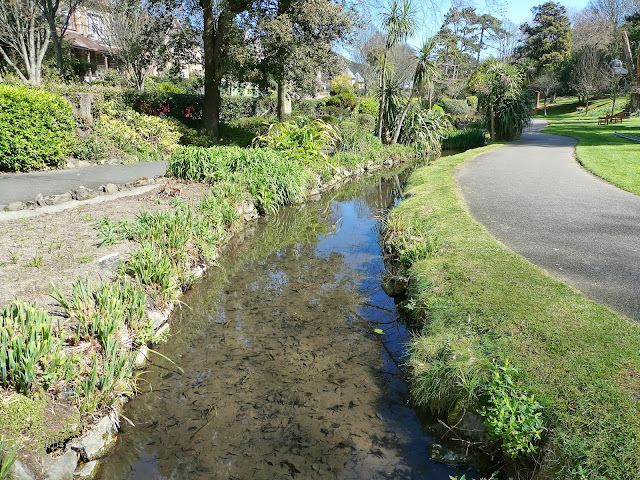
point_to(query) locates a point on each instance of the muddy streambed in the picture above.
(284, 375)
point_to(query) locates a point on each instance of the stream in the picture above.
(284, 376)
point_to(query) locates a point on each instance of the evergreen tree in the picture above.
(548, 40)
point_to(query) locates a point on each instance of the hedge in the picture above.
(36, 129)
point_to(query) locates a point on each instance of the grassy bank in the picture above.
(614, 159)
(555, 376)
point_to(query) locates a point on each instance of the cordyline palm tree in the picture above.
(425, 74)
(498, 84)
(398, 23)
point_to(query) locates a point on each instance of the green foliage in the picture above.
(369, 106)
(341, 96)
(472, 101)
(504, 104)
(306, 143)
(547, 42)
(462, 140)
(90, 149)
(366, 121)
(424, 129)
(454, 106)
(7, 458)
(29, 348)
(144, 136)
(273, 178)
(106, 311)
(513, 418)
(341, 113)
(36, 129)
(329, 119)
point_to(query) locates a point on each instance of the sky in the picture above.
(519, 11)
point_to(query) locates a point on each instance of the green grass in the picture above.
(477, 305)
(614, 159)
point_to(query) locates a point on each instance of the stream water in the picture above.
(284, 375)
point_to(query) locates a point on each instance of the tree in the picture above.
(398, 23)
(591, 28)
(58, 20)
(136, 34)
(614, 11)
(24, 30)
(296, 38)
(548, 40)
(425, 73)
(546, 83)
(588, 75)
(502, 100)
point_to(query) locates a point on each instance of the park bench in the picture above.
(604, 120)
(618, 118)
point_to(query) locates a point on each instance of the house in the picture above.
(357, 80)
(83, 33)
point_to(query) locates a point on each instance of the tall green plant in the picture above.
(398, 22)
(502, 99)
(424, 76)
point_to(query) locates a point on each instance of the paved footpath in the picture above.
(23, 187)
(534, 197)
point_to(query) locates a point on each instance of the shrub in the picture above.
(36, 129)
(424, 129)
(462, 140)
(339, 112)
(472, 101)
(341, 96)
(370, 106)
(366, 121)
(306, 143)
(330, 119)
(437, 108)
(90, 149)
(306, 107)
(454, 106)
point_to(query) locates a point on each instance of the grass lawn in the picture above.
(614, 159)
(477, 304)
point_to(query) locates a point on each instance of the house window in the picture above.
(95, 24)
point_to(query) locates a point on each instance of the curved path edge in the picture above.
(535, 197)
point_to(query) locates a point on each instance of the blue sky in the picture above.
(519, 11)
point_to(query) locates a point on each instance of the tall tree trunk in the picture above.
(212, 37)
(56, 41)
(586, 110)
(396, 133)
(545, 105)
(383, 86)
(284, 100)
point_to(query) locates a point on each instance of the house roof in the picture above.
(359, 78)
(84, 43)
(350, 73)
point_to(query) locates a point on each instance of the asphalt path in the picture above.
(23, 187)
(533, 196)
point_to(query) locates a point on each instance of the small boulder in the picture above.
(82, 193)
(61, 468)
(442, 454)
(58, 199)
(19, 471)
(110, 188)
(88, 470)
(98, 441)
(15, 206)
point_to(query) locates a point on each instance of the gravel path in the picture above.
(23, 187)
(533, 196)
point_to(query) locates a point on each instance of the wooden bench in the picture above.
(618, 118)
(604, 120)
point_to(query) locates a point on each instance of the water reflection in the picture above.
(284, 375)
